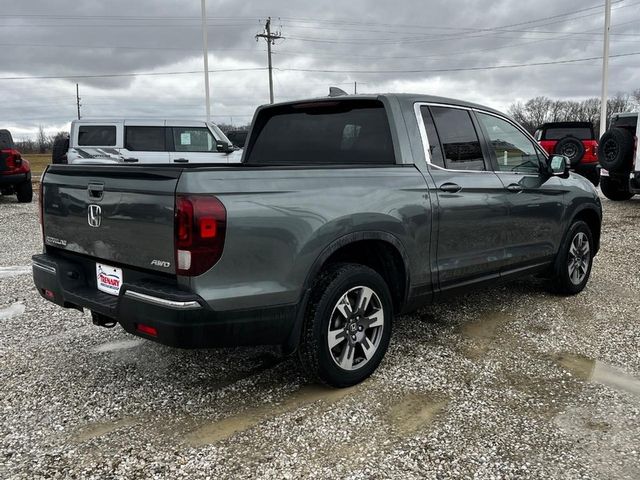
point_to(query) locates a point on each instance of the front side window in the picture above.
(514, 151)
(459, 139)
(97, 136)
(149, 139)
(193, 139)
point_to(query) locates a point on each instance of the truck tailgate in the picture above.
(118, 214)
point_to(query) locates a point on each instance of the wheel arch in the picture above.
(593, 219)
(381, 251)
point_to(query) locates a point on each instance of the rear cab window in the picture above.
(557, 133)
(323, 132)
(97, 135)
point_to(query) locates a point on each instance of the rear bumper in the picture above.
(180, 318)
(14, 178)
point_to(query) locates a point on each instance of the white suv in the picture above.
(148, 141)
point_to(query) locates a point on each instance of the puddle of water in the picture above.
(11, 311)
(414, 411)
(600, 372)
(117, 345)
(483, 331)
(99, 429)
(226, 427)
(6, 272)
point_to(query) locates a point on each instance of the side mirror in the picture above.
(559, 165)
(225, 147)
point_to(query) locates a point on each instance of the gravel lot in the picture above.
(504, 383)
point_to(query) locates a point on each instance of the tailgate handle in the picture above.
(95, 190)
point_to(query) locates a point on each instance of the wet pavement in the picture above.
(507, 382)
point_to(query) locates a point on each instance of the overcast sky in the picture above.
(400, 46)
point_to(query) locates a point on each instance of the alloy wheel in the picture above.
(579, 258)
(355, 328)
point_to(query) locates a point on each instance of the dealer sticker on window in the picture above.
(108, 279)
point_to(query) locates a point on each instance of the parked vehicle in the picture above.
(15, 171)
(618, 156)
(238, 137)
(148, 141)
(575, 140)
(343, 213)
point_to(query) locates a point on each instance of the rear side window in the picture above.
(437, 158)
(582, 133)
(331, 132)
(459, 139)
(193, 139)
(149, 139)
(97, 136)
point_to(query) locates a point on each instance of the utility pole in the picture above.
(270, 38)
(205, 56)
(78, 100)
(605, 68)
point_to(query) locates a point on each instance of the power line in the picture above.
(465, 69)
(136, 74)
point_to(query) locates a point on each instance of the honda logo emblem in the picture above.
(94, 216)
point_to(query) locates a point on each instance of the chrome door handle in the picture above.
(450, 187)
(515, 188)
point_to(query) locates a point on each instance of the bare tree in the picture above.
(42, 141)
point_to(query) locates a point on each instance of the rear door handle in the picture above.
(515, 188)
(450, 187)
(181, 160)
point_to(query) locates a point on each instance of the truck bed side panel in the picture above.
(280, 219)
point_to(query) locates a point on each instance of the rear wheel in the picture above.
(24, 192)
(616, 190)
(572, 267)
(347, 326)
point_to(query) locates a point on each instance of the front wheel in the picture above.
(347, 327)
(615, 190)
(572, 267)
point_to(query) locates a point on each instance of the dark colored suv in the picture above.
(576, 141)
(15, 171)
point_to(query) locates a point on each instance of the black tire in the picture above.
(561, 281)
(60, 149)
(615, 149)
(316, 357)
(24, 192)
(572, 148)
(616, 190)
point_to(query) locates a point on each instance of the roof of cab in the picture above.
(404, 98)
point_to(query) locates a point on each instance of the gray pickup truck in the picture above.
(344, 212)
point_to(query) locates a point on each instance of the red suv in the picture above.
(15, 171)
(575, 140)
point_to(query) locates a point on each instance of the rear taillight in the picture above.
(200, 227)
